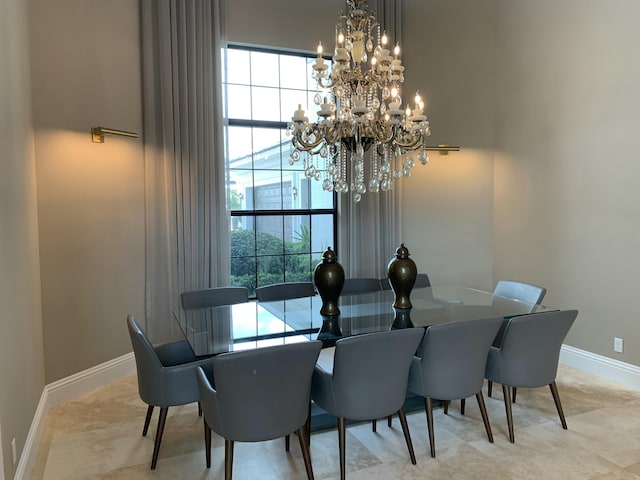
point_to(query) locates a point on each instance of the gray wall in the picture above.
(567, 161)
(449, 52)
(85, 67)
(21, 351)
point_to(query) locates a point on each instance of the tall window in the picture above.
(281, 221)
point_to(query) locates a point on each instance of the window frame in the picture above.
(254, 213)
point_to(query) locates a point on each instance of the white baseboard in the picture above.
(623, 373)
(65, 390)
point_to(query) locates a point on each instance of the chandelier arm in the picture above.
(379, 131)
(327, 86)
(332, 135)
(411, 145)
(299, 144)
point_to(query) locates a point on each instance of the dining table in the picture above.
(211, 331)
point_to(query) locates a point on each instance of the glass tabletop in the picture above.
(256, 324)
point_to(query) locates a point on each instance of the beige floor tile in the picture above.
(98, 436)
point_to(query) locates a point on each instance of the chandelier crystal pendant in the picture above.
(363, 137)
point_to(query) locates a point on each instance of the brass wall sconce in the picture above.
(442, 148)
(98, 133)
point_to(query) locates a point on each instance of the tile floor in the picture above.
(98, 436)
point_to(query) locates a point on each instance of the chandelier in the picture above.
(363, 139)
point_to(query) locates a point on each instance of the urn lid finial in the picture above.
(329, 256)
(402, 251)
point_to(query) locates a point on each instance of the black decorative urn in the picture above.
(402, 276)
(401, 318)
(328, 277)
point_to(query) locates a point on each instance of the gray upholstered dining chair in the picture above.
(512, 290)
(259, 395)
(356, 285)
(213, 297)
(524, 292)
(285, 291)
(166, 377)
(528, 356)
(366, 380)
(422, 281)
(452, 366)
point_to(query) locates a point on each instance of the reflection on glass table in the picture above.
(250, 325)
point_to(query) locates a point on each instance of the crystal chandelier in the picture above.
(363, 140)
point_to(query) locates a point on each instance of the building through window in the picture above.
(281, 221)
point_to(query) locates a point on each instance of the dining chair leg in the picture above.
(306, 454)
(556, 399)
(489, 387)
(199, 409)
(485, 417)
(228, 459)
(147, 420)
(445, 407)
(407, 436)
(374, 424)
(513, 394)
(507, 406)
(207, 443)
(428, 407)
(342, 434)
(308, 425)
(389, 421)
(160, 430)
(287, 442)
(462, 404)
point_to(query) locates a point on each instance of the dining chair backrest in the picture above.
(530, 349)
(259, 394)
(370, 372)
(166, 377)
(422, 281)
(353, 286)
(454, 356)
(285, 291)
(162, 384)
(213, 297)
(525, 292)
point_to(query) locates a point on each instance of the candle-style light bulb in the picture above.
(384, 39)
(340, 39)
(394, 92)
(418, 99)
(396, 50)
(319, 50)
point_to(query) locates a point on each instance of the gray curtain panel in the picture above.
(370, 231)
(186, 218)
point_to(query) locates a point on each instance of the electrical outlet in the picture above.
(14, 455)
(617, 344)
